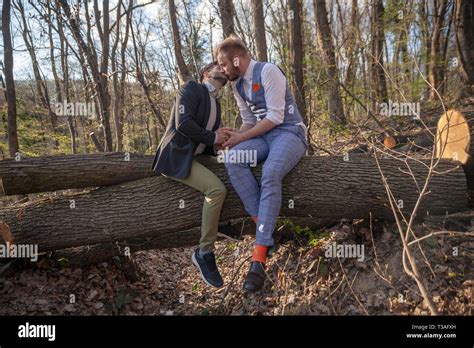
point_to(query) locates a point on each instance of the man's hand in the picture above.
(219, 147)
(222, 135)
(229, 129)
(234, 139)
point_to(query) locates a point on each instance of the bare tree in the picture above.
(13, 145)
(139, 60)
(258, 22)
(353, 45)
(183, 70)
(99, 75)
(436, 64)
(226, 9)
(377, 45)
(296, 53)
(464, 23)
(324, 36)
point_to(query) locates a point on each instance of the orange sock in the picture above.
(255, 219)
(260, 253)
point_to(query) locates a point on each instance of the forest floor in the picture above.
(301, 280)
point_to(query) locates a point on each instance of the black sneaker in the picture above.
(255, 278)
(229, 232)
(208, 269)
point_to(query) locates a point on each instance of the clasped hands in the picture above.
(227, 137)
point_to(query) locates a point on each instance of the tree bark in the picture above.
(377, 45)
(296, 54)
(464, 23)
(324, 36)
(436, 64)
(52, 173)
(327, 188)
(226, 9)
(183, 70)
(353, 46)
(12, 135)
(90, 254)
(258, 22)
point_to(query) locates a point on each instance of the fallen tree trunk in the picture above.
(90, 254)
(52, 173)
(327, 188)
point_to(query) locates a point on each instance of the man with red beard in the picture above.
(273, 127)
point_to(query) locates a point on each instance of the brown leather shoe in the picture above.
(255, 278)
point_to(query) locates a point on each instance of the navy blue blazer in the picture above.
(185, 130)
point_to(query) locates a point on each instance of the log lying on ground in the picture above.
(52, 173)
(90, 254)
(327, 188)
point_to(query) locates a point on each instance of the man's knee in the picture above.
(217, 192)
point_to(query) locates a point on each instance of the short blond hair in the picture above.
(231, 46)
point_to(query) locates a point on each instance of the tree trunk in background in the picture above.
(324, 36)
(296, 54)
(104, 34)
(377, 46)
(41, 87)
(65, 82)
(326, 188)
(100, 81)
(141, 78)
(183, 70)
(464, 24)
(12, 135)
(353, 46)
(119, 78)
(436, 64)
(258, 22)
(425, 34)
(227, 12)
(57, 83)
(226, 9)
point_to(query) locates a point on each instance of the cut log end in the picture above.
(389, 142)
(453, 137)
(6, 234)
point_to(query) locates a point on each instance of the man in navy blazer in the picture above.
(194, 129)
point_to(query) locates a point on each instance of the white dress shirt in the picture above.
(212, 117)
(274, 85)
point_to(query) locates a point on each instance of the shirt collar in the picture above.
(210, 86)
(249, 72)
(212, 90)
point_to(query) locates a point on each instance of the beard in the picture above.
(234, 74)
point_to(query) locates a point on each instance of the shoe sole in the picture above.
(193, 259)
(219, 234)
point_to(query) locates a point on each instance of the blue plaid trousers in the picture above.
(281, 150)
